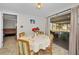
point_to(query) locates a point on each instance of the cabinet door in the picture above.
(1, 30)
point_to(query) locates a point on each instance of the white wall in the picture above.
(47, 29)
(27, 27)
(1, 31)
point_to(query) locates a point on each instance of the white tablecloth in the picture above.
(39, 42)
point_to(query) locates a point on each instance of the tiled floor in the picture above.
(10, 47)
(58, 50)
(60, 47)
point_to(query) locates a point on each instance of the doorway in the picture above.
(9, 24)
(60, 29)
(9, 34)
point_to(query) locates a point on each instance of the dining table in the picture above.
(38, 42)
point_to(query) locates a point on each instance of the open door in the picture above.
(1, 31)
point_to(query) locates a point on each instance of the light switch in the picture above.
(21, 26)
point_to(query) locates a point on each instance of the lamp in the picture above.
(39, 5)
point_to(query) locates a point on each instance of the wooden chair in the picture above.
(23, 47)
(21, 34)
(49, 49)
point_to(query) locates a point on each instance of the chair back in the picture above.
(21, 34)
(23, 47)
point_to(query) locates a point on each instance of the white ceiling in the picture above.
(30, 8)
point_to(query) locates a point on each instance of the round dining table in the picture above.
(39, 42)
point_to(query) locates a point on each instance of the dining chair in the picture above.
(50, 48)
(23, 47)
(51, 36)
(21, 34)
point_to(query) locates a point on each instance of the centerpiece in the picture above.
(35, 30)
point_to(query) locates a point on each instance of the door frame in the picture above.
(65, 12)
(1, 30)
(3, 12)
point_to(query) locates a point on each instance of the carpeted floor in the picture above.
(10, 47)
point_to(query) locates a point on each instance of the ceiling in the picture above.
(30, 8)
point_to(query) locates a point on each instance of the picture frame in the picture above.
(32, 21)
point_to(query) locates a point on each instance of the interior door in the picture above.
(1, 30)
